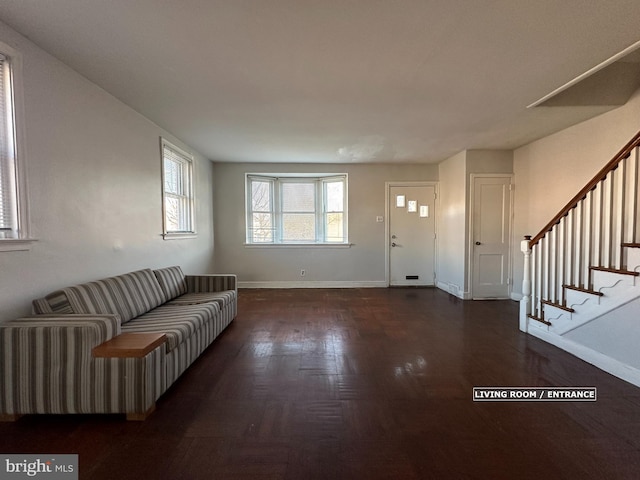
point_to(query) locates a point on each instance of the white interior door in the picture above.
(411, 235)
(490, 236)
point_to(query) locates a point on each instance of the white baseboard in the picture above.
(453, 290)
(516, 296)
(314, 284)
(603, 362)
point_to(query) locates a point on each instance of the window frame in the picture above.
(276, 182)
(187, 165)
(15, 153)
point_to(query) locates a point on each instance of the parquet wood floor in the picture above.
(360, 384)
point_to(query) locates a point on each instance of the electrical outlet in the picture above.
(303, 272)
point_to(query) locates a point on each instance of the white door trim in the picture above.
(470, 265)
(387, 226)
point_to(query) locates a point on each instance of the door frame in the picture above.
(387, 225)
(471, 264)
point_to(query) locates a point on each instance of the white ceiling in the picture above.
(336, 80)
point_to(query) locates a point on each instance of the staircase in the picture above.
(583, 267)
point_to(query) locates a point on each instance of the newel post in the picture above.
(525, 303)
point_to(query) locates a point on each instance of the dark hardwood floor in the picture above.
(360, 384)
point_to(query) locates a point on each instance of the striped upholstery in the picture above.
(172, 282)
(211, 283)
(41, 306)
(222, 298)
(46, 365)
(58, 302)
(216, 283)
(179, 322)
(128, 295)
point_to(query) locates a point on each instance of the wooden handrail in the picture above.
(601, 175)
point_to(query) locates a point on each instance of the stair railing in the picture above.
(590, 231)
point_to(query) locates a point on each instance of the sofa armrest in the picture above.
(91, 328)
(211, 283)
(45, 360)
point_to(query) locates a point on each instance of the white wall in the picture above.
(93, 173)
(453, 225)
(455, 208)
(550, 171)
(362, 264)
(615, 334)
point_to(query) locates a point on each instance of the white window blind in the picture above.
(177, 190)
(9, 224)
(298, 211)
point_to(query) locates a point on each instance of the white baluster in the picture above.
(619, 214)
(636, 197)
(545, 273)
(525, 303)
(589, 238)
(596, 218)
(561, 249)
(579, 244)
(631, 199)
(533, 262)
(570, 248)
(607, 219)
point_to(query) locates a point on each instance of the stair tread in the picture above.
(558, 305)
(615, 270)
(537, 319)
(631, 245)
(583, 290)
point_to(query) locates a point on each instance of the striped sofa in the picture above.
(47, 361)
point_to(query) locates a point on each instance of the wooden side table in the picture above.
(129, 345)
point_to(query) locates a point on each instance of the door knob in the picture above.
(393, 244)
(393, 236)
(478, 243)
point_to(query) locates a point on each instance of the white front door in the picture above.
(491, 236)
(411, 235)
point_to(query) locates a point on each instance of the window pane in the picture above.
(173, 182)
(298, 227)
(335, 196)
(170, 176)
(288, 209)
(260, 196)
(172, 214)
(298, 197)
(334, 228)
(177, 190)
(262, 227)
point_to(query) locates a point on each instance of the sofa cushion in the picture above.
(128, 296)
(222, 298)
(210, 283)
(40, 306)
(179, 322)
(172, 282)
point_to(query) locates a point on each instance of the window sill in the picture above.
(178, 236)
(16, 244)
(298, 245)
